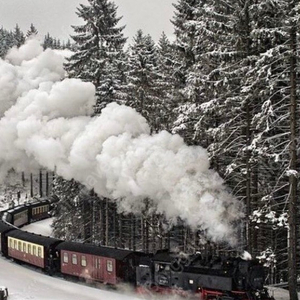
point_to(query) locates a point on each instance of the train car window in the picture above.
(29, 249)
(19, 246)
(83, 261)
(33, 211)
(109, 266)
(24, 247)
(66, 258)
(74, 259)
(15, 244)
(39, 252)
(161, 267)
(34, 250)
(11, 245)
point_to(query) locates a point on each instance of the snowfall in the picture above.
(25, 283)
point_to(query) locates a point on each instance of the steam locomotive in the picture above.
(216, 278)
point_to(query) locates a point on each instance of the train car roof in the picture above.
(32, 238)
(164, 256)
(17, 209)
(39, 202)
(5, 226)
(119, 254)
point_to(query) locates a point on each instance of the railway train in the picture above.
(163, 272)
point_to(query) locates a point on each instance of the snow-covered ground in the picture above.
(43, 227)
(24, 283)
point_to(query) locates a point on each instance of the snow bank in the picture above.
(45, 122)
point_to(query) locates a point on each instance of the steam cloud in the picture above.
(45, 122)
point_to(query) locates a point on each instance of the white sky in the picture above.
(57, 16)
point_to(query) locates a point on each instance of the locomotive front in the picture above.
(214, 278)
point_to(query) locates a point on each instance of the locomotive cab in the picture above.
(144, 273)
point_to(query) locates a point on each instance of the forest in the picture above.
(229, 82)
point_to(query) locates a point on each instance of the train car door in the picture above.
(98, 268)
(110, 271)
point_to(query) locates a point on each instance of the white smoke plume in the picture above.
(45, 122)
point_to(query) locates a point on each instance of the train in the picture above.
(222, 278)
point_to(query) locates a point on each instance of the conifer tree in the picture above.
(19, 38)
(99, 43)
(32, 31)
(48, 41)
(6, 41)
(67, 222)
(142, 78)
(166, 81)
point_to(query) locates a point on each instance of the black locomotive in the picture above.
(210, 278)
(205, 278)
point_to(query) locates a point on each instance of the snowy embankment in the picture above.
(24, 284)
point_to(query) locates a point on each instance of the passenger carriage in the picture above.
(17, 216)
(39, 210)
(33, 249)
(108, 265)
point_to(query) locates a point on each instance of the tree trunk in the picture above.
(47, 184)
(106, 222)
(292, 265)
(41, 184)
(31, 185)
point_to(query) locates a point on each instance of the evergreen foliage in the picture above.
(67, 223)
(142, 79)
(32, 31)
(19, 37)
(98, 57)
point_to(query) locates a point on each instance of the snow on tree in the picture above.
(99, 43)
(142, 79)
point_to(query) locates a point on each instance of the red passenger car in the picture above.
(103, 264)
(31, 248)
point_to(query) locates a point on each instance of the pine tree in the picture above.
(99, 42)
(142, 78)
(48, 41)
(6, 41)
(166, 81)
(19, 38)
(67, 223)
(32, 31)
